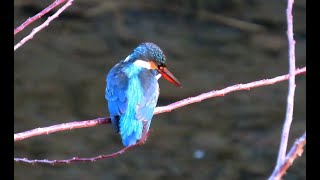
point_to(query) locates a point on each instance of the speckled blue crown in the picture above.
(149, 51)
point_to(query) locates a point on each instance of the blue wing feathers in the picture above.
(133, 99)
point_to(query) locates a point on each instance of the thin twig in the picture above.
(43, 25)
(292, 86)
(79, 159)
(37, 16)
(158, 110)
(60, 127)
(74, 159)
(295, 151)
(224, 91)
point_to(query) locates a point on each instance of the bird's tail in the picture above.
(130, 131)
(129, 140)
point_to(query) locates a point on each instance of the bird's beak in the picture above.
(168, 76)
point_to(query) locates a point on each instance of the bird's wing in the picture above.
(117, 83)
(117, 86)
(146, 106)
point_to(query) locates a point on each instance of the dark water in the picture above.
(60, 74)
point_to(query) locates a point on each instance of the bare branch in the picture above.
(296, 150)
(224, 91)
(43, 25)
(292, 86)
(60, 127)
(79, 159)
(37, 16)
(158, 110)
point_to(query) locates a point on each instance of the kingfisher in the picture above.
(132, 91)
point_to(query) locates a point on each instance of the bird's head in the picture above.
(149, 55)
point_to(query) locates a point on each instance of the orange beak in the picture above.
(168, 76)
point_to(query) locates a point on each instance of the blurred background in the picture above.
(59, 77)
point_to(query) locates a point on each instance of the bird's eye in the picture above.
(161, 66)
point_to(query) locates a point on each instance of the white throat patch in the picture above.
(146, 65)
(142, 63)
(158, 76)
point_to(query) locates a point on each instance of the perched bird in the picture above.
(132, 91)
